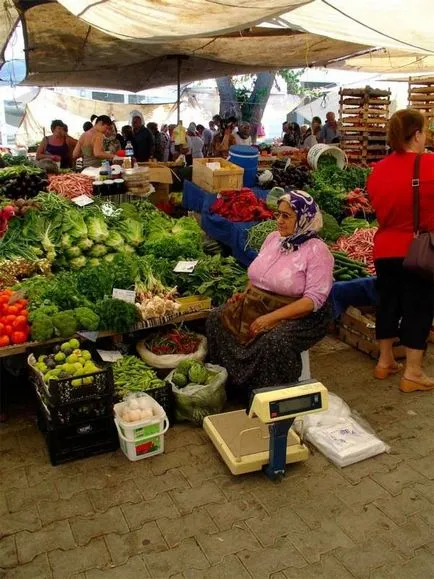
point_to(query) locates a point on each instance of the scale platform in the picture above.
(243, 442)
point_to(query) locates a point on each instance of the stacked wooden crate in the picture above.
(421, 98)
(363, 117)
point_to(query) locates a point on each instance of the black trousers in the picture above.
(405, 304)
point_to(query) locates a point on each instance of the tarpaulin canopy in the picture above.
(74, 111)
(8, 21)
(390, 61)
(150, 21)
(71, 53)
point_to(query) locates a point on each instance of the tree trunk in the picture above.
(258, 100)
(228, 97)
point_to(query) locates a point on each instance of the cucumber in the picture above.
(345, 277)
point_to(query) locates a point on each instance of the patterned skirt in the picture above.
(274, 357)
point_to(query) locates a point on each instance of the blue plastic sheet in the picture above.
(357, 293)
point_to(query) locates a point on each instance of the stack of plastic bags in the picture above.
(340, 435)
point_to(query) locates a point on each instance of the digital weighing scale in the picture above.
(261, 436)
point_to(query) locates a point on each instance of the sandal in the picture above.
(382, 373)
(407, 385)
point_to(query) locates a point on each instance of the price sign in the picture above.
(124, 295)
(91, 336)
(82, 200)
(185, 266)
(110, 355)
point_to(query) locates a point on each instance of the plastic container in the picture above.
(143, 438)
(248, 158)
(322, 149)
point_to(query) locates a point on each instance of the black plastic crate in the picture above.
(97, 407)
(80, 440)
(61, 391)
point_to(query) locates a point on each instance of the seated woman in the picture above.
(258, 335)
(55, 147)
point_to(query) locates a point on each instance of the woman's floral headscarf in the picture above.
(309, 219)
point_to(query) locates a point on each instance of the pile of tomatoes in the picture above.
(14, 325)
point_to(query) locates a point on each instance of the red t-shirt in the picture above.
(391, 195)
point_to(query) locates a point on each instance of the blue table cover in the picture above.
(357, 292)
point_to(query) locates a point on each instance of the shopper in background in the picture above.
(195, 145)
(143, 141)
(223, 140)
(90, 145)
(71, 143)
(308, 140)
(207, 136)
(158, 142)
(55, 147)
(329, 132)
(93, 119)
(316, 126)
(292, 137)
(173, 154)
(165, 142)
(127, 134)
(87, 126)
(405, 298)
(217, 120)
(242, 134)
(112, 141)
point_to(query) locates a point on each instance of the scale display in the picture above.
(295, 405)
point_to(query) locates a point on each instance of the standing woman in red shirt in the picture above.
(406, 299)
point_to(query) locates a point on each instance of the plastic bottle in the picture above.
(129, 150)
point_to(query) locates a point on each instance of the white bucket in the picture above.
(143, 438)
(316, 151)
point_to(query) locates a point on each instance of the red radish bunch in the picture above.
(357, 202)
(6, 215)
(359, 246)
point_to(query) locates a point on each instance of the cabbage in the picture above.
(109, 257)
(198, 374)
(132, 231)
(78, 262)
(179, 379)
(66, 240)
(115, 240)
(97, 228)
(98, 250)
(73, 251)
(128, 249)
(85, 244)
(94, 262)
(73, 223)
(184, 366)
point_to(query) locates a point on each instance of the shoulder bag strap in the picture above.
(415, 184)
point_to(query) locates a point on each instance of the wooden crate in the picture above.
(421, 98)
(229, 176)
(363, 118)
(358, 330)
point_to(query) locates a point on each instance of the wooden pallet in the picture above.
(363, 118)
(421, 98)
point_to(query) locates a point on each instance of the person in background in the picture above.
(165, 141)
(329, 132)
(258, 335)
(308, 139)
(158, 142)
(93, 119)
(112, 144)
(71, 142)
(292, 137)
(143, 141)
(55, 147)
(195, 144)
(405, 298)
(90, 145)
(285, 128)
(207, 136)
(217, 120)
(173, 153)
(316, 126)
(223, 140)
(87, 126)
(242, 135)
(127, 135)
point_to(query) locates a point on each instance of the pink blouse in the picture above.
(307, 272)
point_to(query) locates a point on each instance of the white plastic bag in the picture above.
(166, 361)
(196, 401)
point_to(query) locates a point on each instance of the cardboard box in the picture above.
(161, 179)
(229, 176)
(358, 330)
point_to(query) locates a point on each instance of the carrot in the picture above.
(70, 185)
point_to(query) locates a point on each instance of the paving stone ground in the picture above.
(183, 515)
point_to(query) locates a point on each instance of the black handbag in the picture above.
(420, 256)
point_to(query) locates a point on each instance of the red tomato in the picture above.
(4, 298)
(2, 329)
(4, 341)
(19, 323)
(22, 303)
(18, 337)
(9, 319)
(13, 309)
(8, 330)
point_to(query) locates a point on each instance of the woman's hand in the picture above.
(263, 324)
